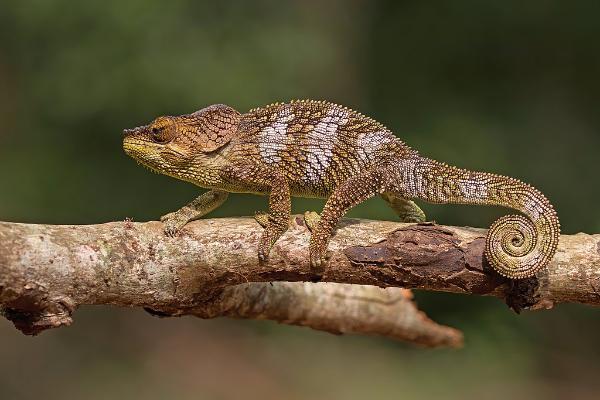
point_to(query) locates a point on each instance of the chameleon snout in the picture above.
(132, 131)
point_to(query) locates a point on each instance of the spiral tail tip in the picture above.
(517, 248)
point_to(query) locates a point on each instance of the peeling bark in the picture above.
(47, 271)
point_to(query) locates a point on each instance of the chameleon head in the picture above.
(170, 145)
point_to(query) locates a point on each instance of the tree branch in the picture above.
(47, 271)
(335, 308)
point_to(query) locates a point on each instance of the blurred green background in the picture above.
(510, 87)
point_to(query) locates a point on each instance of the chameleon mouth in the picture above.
(139, 150)
(149, 156)
(132, 147)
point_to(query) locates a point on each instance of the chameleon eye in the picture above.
(159, 135)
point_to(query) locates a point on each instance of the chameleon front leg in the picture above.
(350, 193)
(280, 210)
(406, 209)
(197, 208)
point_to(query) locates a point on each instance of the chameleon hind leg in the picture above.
(407, 210)
(195, 209)
(350, 193)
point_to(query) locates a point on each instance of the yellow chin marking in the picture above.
(142, 152)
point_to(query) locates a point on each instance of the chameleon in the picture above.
(318, 149)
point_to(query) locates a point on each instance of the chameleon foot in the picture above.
(317, 252)
(263, 257)
(195, 209)
(174, 221)
(311, 219)
(263, 246)
(262, 218)
(317, 262)
(407, 210)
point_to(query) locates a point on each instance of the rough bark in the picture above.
(209, 270)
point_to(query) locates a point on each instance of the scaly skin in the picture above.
(319, 149)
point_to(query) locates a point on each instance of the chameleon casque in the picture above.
(319, 149)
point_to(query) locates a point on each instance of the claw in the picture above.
(317, 262)
(171, 232)
(264, 248)
(262, 258)
(173, 222)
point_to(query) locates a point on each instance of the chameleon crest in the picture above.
(318, 149)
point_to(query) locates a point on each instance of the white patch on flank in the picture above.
(369, 142)
(273, 138)
(321, 141)
(472, 190)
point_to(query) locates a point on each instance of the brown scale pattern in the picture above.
(319, 149)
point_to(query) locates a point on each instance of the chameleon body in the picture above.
(318, 149)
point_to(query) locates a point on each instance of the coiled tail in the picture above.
(517, 246)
